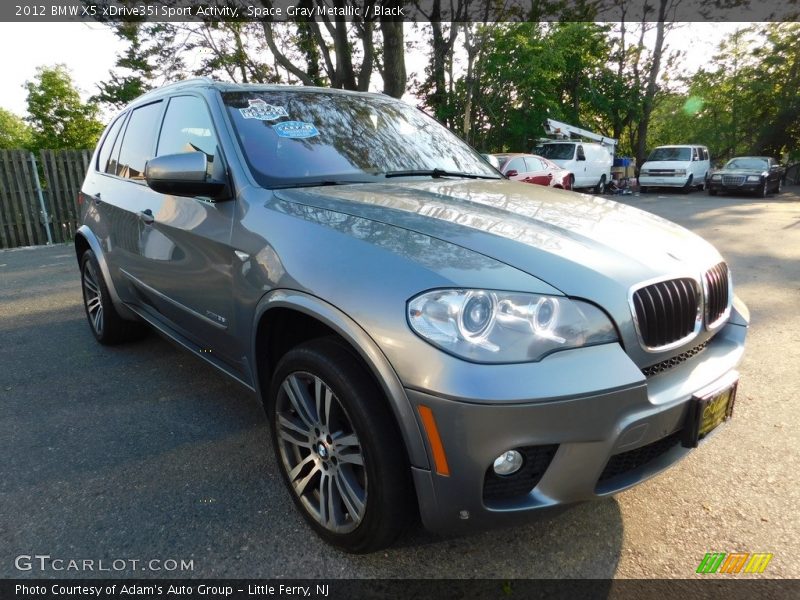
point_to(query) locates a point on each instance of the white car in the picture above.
(589, 162)
(684, 167)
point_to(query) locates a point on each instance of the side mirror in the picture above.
(512, 173)
(581, 156)
(185, 174)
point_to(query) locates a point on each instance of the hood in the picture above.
(666, 164)
(585, 246)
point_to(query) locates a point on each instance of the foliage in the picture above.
(495, 83)
(745, 101)
(14, 132)
(58, 117)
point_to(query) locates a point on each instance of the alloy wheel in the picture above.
(320, 452)
(92, 297)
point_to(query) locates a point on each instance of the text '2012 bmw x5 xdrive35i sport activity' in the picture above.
(422, 332)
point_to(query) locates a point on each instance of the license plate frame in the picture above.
(707, 412)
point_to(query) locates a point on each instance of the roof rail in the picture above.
(178, 84)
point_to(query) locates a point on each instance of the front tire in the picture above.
(764, 189)
(643, 189)
(338, 448)
(688, 185)
(712, 192)
(600, 188)
(107, 326)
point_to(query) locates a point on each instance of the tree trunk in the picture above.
(394, 60)
(652, 81)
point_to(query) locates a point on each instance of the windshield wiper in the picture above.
(436, 173)
(324, 182)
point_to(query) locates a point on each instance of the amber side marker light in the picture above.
(439, 457)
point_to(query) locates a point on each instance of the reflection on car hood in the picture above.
(584, 245)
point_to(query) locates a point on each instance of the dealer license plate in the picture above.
(708, 412)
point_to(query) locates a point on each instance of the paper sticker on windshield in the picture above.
(263, 111)
(295, 129)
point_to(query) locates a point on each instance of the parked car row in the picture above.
(587, 165)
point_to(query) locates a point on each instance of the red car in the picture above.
(534, 169)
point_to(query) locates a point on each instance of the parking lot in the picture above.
(143, 452)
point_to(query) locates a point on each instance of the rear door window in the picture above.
(139, 141)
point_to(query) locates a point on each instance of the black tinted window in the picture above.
(139, 141)
(671, 154)
(557, 151)
(108, 144)
(187, 128)
(292, 137)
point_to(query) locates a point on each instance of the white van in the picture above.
(682, 166)
(589, 163)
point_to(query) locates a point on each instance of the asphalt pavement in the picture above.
(142, 452)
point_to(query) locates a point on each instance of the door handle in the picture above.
(147, 216)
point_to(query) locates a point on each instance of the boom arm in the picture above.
(558, 128)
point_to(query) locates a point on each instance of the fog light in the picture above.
(508, 463)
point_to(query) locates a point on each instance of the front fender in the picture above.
(366, 347)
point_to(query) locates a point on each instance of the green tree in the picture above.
(14, 132)
(58, 117)
(744, 102)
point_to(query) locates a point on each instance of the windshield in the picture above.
(556, 151)
(756, 164)
(300, 137)
(676, 154)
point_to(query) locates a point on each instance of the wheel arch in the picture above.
(85, 239)
(284, 318)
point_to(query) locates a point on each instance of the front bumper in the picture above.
(663, 181)
(640, 421)
(748, 187)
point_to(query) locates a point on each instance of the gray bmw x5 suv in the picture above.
(424, 334)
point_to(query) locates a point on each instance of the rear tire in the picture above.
(107, 326)
(337, 445)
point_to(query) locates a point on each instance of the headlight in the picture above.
(716, 177)
(753, 178)
(680, 171)
(644, 172)
(506, 327)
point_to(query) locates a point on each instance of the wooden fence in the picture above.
(38, 197)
